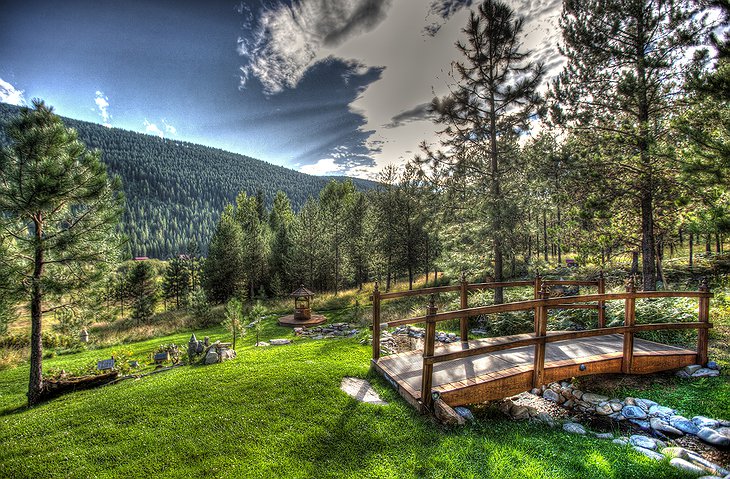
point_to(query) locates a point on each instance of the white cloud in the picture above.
(153, 129)
(168, 127)
(102, 105)
(10, 94)
(325, 166)
(287, 39)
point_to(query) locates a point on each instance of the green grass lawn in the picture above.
(276, 412)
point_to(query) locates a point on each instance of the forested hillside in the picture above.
(175, 191)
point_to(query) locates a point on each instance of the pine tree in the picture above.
(493, 100)
(143, 291)
(223, 271)
(58, 211)
(623, 75)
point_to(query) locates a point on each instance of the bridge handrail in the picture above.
(464, 287)
(541, 336)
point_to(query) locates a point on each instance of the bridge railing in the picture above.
(463, 288)
(541, 336)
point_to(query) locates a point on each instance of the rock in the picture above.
(702, 421)
(724, 430)
(594, 399)
(683, 424)
(519, 412)
(604, 409)
(361, 390)
(262, 344)
(694, 458)
(633, 412)
(603, 435)
(551, 395)
(227, 354)
(616, 405)
(279, 342)
(643, 441)
(649, 453)
(446, 414)
(536, 391)
(630, 401)
(546, 418)
(577, 393)
(691, 369)
(464, 412)
(683, 374)
(711, 436)
(686, 466)
(706, 373)
(661, 426)
(211, 357)
(569, 403)
(505, 407)
(622, 441)
(574, 428)
(644, 404)
(532, 411)
(643, 425)
(661, 411)
(713, 365)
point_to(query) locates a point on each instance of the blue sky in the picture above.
(322, 86)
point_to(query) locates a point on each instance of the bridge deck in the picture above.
(501, 374)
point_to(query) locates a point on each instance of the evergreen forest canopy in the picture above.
(175, 191)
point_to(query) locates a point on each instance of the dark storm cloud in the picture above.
(443, 9)
(286, 40)
(417, 113)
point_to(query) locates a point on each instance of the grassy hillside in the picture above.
(276, 412)
(176, 190)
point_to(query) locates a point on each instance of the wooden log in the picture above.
(704, 318)
(376, 322)
(429, 344)
(629, 319)
(601, 303)
(464, 321)
(540, 332)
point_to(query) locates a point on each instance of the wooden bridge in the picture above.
(478, 370)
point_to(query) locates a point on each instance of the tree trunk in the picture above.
(648, 263)
(691, 250)
(497, 213)
(708, 243)
(634, 262)
(35, 385)
(718, 244)
(544, 235)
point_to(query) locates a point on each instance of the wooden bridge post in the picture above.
(629, 320)
(376, 322)
(704, 317)
(601, 304)
(429, 343)
(464, 320)
(540, 332)
(538, 288)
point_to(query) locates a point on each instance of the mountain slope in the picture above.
(176, 190)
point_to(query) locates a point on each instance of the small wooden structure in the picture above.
(473, 371)
(302, 311)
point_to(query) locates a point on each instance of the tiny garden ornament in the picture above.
(84, 336)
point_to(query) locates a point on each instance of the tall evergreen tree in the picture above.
(623, 75)
(58, 210)
(336, 201)
(142, 286)
(492, 102)
(223, 271)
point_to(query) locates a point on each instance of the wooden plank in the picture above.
(629, 319)
(646, 363)
(555, 282)
(376, 322)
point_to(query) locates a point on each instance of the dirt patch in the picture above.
(713, 454)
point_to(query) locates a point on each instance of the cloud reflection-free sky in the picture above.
(323, 86)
